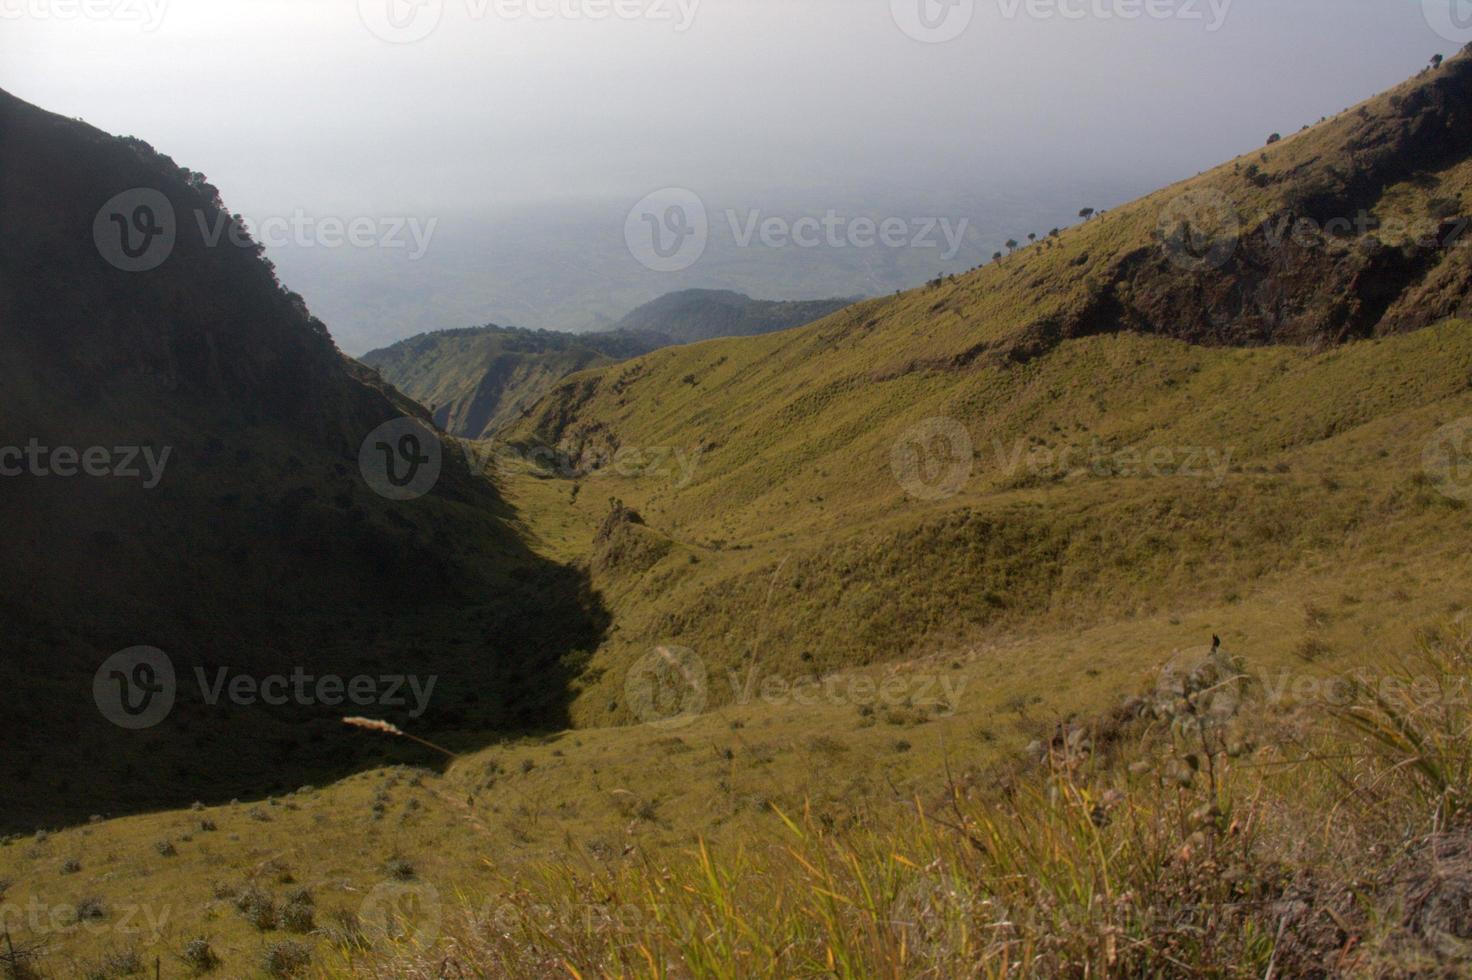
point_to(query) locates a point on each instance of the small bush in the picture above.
(286, 959)
(200, 955)
(298, 917)
(89, 909)
(257, 907)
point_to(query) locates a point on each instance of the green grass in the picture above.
(849, 791)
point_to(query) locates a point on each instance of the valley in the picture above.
(1001, 627)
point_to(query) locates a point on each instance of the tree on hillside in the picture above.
(1086, 213)
(1274, 138)
(1436, 60)
(1032, 236)
(996, 256)
(1011, 245)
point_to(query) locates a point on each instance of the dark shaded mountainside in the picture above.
(972, 455)
(259, 547)
(481, 379)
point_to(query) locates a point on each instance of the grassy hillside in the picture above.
(907, 667)
(1112, 454)
(478, 382)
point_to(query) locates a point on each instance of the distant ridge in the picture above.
(478, 380)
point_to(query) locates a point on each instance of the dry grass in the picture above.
(1193, 833)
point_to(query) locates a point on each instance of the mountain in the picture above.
(190, 466)
(957, 633)
(692, 315)
(479, 380)
(973, 457)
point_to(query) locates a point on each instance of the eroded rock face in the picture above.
(1315, 265)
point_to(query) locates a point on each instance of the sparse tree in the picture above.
(996, 256)
(1011, 245)
(1086, 213)
(1032, 236)
(1436, 61)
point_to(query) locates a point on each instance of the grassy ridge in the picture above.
(795, 544)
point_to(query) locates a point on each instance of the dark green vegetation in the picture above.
(260, 549)
(478, 381)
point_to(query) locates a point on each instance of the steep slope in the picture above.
(255, 543)
(858, 566)
(479, 381)
(977, 456)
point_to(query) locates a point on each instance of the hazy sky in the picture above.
(293, 105)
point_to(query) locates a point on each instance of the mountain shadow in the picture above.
(188, 465)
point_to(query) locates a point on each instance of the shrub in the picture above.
(89, 909)
(297, 917)
(258, 908)
(286, 959)
(199, 955)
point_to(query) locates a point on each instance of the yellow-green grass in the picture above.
(793, 551)
(1197, 842)
(630, 794)
(795, 547)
